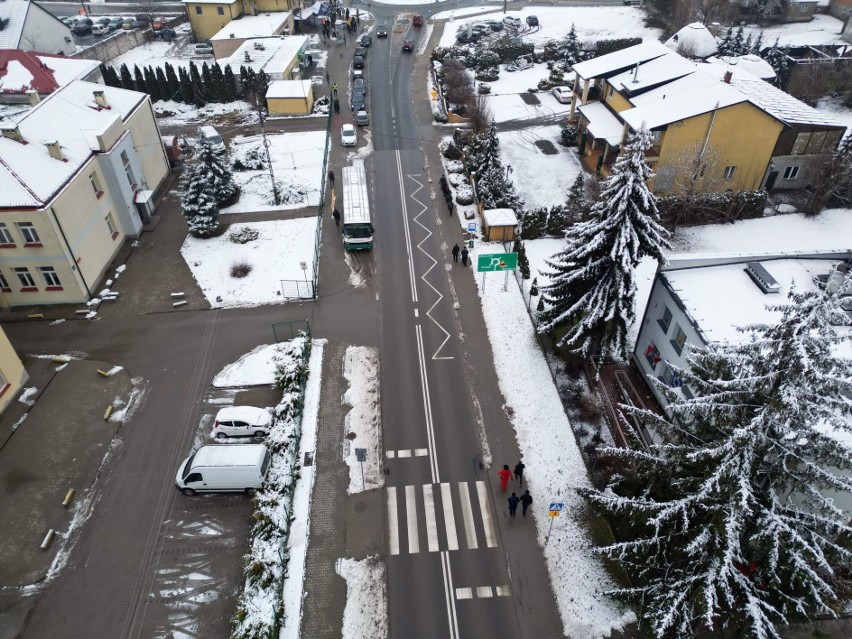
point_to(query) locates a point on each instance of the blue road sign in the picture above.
(471, 227)
(556, 506)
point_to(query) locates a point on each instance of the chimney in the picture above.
(100, 98)
(54, 149)
(636, 74)
(728, 75)
(33, 96)
(12, 132)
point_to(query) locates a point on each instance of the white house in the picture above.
(26, 25)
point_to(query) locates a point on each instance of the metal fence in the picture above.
(283, 331)
(299, 289)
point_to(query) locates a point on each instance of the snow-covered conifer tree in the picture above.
(730, 517)
(591, 295)
(218, 169)
(197, 200)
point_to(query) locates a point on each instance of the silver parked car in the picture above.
(242, 421)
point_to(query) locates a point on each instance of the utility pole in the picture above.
(266, 143)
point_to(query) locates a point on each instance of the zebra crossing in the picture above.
(415, 506)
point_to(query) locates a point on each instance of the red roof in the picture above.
(43, 78)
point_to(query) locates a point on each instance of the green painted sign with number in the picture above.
(497, 262)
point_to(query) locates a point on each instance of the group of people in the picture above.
(351, 23)
(464, 254)
(506, 476)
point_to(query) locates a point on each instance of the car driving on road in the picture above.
(382, 31)
(348, 136)
(408, 45)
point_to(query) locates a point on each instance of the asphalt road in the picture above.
(442, 535)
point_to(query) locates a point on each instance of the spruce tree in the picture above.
(738, 42)
(777, 59)
(218, 169)
(726, 44)
(577, 206)
(186, 94)
(151, 87)
(557, 221)
(488, 151)
(758, 44)
(218, 82)
(230, 85)
(162, 84)
(207, 79)
(244, 89)
(534, 223)
(172, 83)
(730, 516)
(138, 80)
(126, 78)
(573, 52)
(523, 260)
(197, 87)
(261, 84)
(592, 291)
(197, 200)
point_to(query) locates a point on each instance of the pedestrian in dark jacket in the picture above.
(464, 255)
(455, 253)
(336, 215)
(331, 178)
(513, 504)
(526, 502)
(519, 473)
(336, 106)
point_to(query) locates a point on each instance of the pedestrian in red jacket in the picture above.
(505, 476)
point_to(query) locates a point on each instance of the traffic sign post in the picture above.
(361, 456)
(492, 262)
(556, 507)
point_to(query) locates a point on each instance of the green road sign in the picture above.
(497, 262)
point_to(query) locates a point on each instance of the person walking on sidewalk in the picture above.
(464, 255)
(519, 473)
(513, 504)
(331, 178)
(336, 215)
(455, 252)
(505, 477)
(526, 502)
(336, 106)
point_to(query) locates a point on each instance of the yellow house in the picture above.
(13, 375)
(279, 58)
(713, 128)
(236, 33)
(207, 17)
(78, 174)
(290, 97)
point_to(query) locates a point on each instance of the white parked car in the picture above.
(242, 421)
(511, 21)
(348, 136)
(100, 29)
(562, 94)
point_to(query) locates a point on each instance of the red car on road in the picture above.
(417, 20)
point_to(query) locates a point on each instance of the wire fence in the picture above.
(321, 207)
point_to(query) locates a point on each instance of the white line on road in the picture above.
(431, 523)
(487, 519)
(427, 406)
(449, 517)
(467, 515)
(411, 516)
(484, 592)
(411, 275)
(404, 452)
(464, 593)
(420, 452)
(393, 521)
(391, 454)
(503, 591)
(448, 595)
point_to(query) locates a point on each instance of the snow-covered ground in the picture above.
(365, 615)
(505, 102)
(362, 427)
(274, 256)
(156, 53)
(170, 113)
(836, 108)
(823, 29)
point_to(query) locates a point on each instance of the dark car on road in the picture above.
(115, 24)
(359, 85)
(408, 45)
(365, 40)
(357, 102)
(466, 37)
(532, 21)
(362, 51)
(417, 20)
(382, 31)
(358, 62)
(495, 25)
(82, 27)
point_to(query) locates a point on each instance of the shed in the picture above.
(498, 225)
(290, 97)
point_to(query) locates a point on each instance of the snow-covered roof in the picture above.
(603, 124)
(752, 63)
(259, 26)
(693, 40)
(617, 61)
(21, 71)
(236, 455)
(734, 299)
(276, 54)
(499, 217)
(13, 13)
(227, 2)
(288, 89)
(652, 73)
(29, 176)
(680, 106)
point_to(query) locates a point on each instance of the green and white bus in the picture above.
(357, 225)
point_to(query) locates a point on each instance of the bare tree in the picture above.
(458, 86)
(479, 114)
(148, 8)
(692, 170)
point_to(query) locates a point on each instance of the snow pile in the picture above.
(171, 113)
(365, 615)
(362, 427)
(27, 394)
(259, 606)
(554, 465)
(252, 369)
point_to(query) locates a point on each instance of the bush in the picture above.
(568, 137)
(602, 47)
(243, 235)
(454, 166)
(240, 269)
(544, 85)
(464, 194)
(710, 208)
(483, 58)
(452, 152)
(489, 74)
(457, 179)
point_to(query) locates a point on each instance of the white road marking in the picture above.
(484, 592)
(420, 452)
(449, 517)
(416, 313)
(391, 454)
(431, 523)
(503, 591)
(411, 517)
(411, 275)
(487, 519)
(464, 593)
(427, 406)
(448, 595)
(404, 452)
(467, 515)
(393, 521)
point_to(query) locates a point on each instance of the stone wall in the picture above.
(114, 45)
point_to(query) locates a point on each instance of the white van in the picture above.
(212, 135)
(224, 468)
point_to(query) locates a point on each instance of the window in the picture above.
(26, 280)
(197, 10)
(96, 185)
(652, 355)
(610, 91)
(729, 172)
(4, 284)
(29, 234)
(220, 10)
(130, 177)
(6, 239)
(791, 172)
(110, 222)
(51, 279)
(125, 160)
(804, 7)
(667, 375)
(666, 320)
(679, 340)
